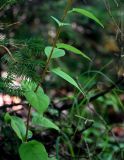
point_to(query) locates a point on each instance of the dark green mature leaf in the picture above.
(18, 126)
(7, 117)
(43, 122)
(72, 49)
(38, 100)
(87, 14)
(33, 150)
(66, 77)
(56, 52)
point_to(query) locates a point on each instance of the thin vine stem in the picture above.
(107, 5)
(54, 43)
(69, 3)
(27, 125)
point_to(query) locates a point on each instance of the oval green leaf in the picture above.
(39, 120)
(38, 100)
(18, 126)
(33, 150)
(56, 52)
(72, 49)
(66, 77)
(87, 14)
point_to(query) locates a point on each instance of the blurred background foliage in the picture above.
(90, 138)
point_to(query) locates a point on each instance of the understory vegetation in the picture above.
(62, 80)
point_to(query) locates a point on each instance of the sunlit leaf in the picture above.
(56, 52)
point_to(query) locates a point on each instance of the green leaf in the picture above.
(56, 20)
(59, 23)
(33, 150)
(87, 14)
(43, 122)
(66, 77)
(18, 126)
(72, 49)
(29, 85)
(56, 52)
(7, 117)
(38, 100)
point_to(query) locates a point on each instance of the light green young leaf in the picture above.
(66, 77)
(56, 20)
(59, 23)
(72, 49)
(33, 150)
(56, 52)
(43, 122)
(87, 14)
(38, 100)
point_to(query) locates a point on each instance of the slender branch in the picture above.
(8, 51)
(54, 43)
(13, 24)
(48, 62)
(110, 14)
(27, 125)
